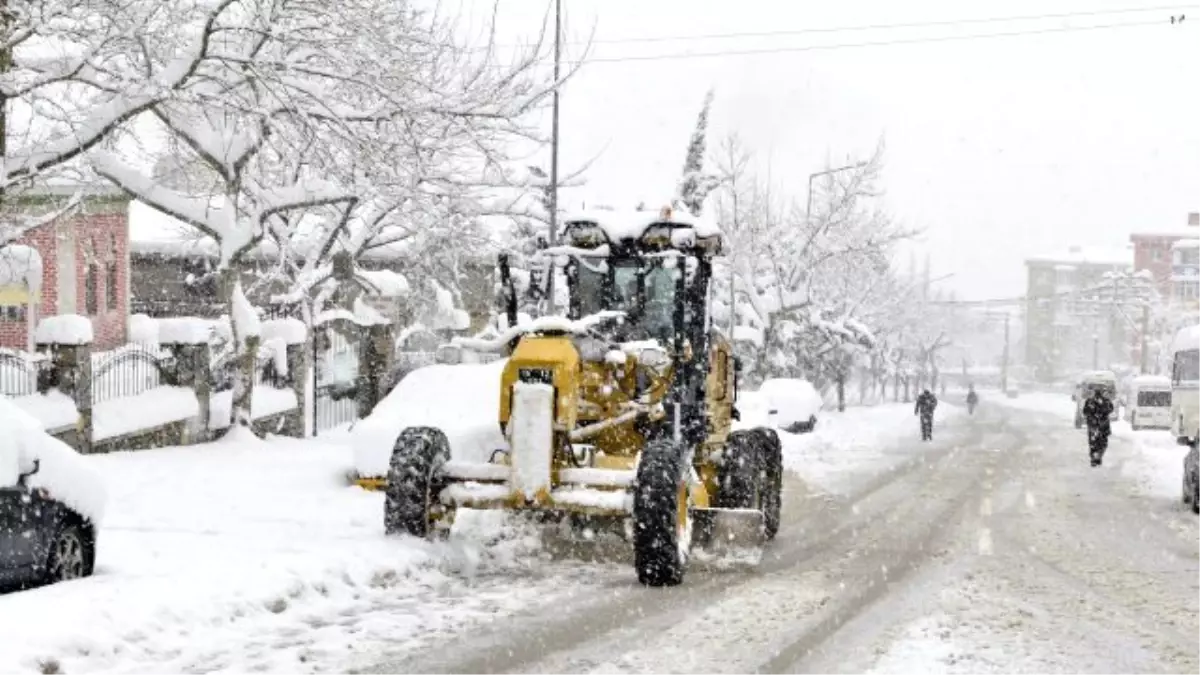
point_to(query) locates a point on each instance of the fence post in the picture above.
(73, 373)
(374, 364)
(297, 358)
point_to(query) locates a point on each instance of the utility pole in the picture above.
(1004, 364)
(1145, 328)
(553, 239)
(1096, 351)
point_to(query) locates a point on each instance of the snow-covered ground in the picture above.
(240, 556)
(859, 442)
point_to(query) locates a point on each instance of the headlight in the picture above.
(536, 375)
(591, 349)
(653, 357)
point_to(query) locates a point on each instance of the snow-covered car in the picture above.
(792, 404)
(51, 502)
(1191, 478)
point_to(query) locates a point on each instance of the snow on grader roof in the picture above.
(668, 227)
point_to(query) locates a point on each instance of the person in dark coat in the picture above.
(1097, 412)
(972, 399)
(926, 403)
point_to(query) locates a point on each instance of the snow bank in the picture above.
(291, 331)
(1155, 463)
(53, 410)
(185, 330)
(62, 472)
(385, 283)
(257, 558)
(266, 401)
(143, 330)
(64, 329)
(147, 410)
(21, 264)
(366, 315)
(860, 442)
(462, 400)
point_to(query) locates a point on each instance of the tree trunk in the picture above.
(841, 392)
(245, 355)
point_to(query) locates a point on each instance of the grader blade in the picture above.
(728, 537)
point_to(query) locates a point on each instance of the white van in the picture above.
(1185, 385)
(1149, 403)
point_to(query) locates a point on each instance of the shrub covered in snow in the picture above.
(62, 472)
(64, 329)
(185, 330)
(290, 331)
(461, 400)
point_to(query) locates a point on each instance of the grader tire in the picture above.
(770, 454)
(739, 473)
(413, 481)
(660, 545)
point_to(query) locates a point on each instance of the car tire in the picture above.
(71, 554)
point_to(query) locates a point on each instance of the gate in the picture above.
(335, 367)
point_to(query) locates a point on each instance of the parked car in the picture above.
(1148, 402)
(1191, 478)
(792, 404)
(50, 505)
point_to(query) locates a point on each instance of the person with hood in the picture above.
(926, 403)
(1097, 412)
(972, 399)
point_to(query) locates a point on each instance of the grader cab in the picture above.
(618, 415)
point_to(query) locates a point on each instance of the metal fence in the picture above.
(126, 371)
(19, 372)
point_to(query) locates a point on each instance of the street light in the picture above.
(808, 207)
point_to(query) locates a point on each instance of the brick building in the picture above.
(1156, 252)
(85, 265)
(1064, 331)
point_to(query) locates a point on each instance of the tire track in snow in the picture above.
(831, 531)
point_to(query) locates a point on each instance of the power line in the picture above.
(884, 26)
(873, 43)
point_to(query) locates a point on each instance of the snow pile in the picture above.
(64, 329)
(858, 442)
(461, 400)
(54, 409)
(366, 315)
(245, 319)
(445, 315)
(148, 410)
(290, 331)
(66, 475)
(266, 401)
(21, 264)
(257, 558)
(1155, 462)
(143, 330)
(185, 330)
(385, 283)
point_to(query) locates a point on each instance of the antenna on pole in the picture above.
(553, 239)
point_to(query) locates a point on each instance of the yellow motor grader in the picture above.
(618, 414)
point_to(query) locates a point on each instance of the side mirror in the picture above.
(23, 479)
(737, 416)
(772, 412)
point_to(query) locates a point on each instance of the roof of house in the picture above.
(1086, 255)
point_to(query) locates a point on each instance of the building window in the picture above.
(12, 313)
(1156, 254)
(110, 284)
(90, 289)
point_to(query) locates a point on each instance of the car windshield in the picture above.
(645, 291)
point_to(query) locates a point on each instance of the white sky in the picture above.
(999, 148)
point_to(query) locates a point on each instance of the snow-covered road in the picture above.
(997, 549)
(994, 548)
